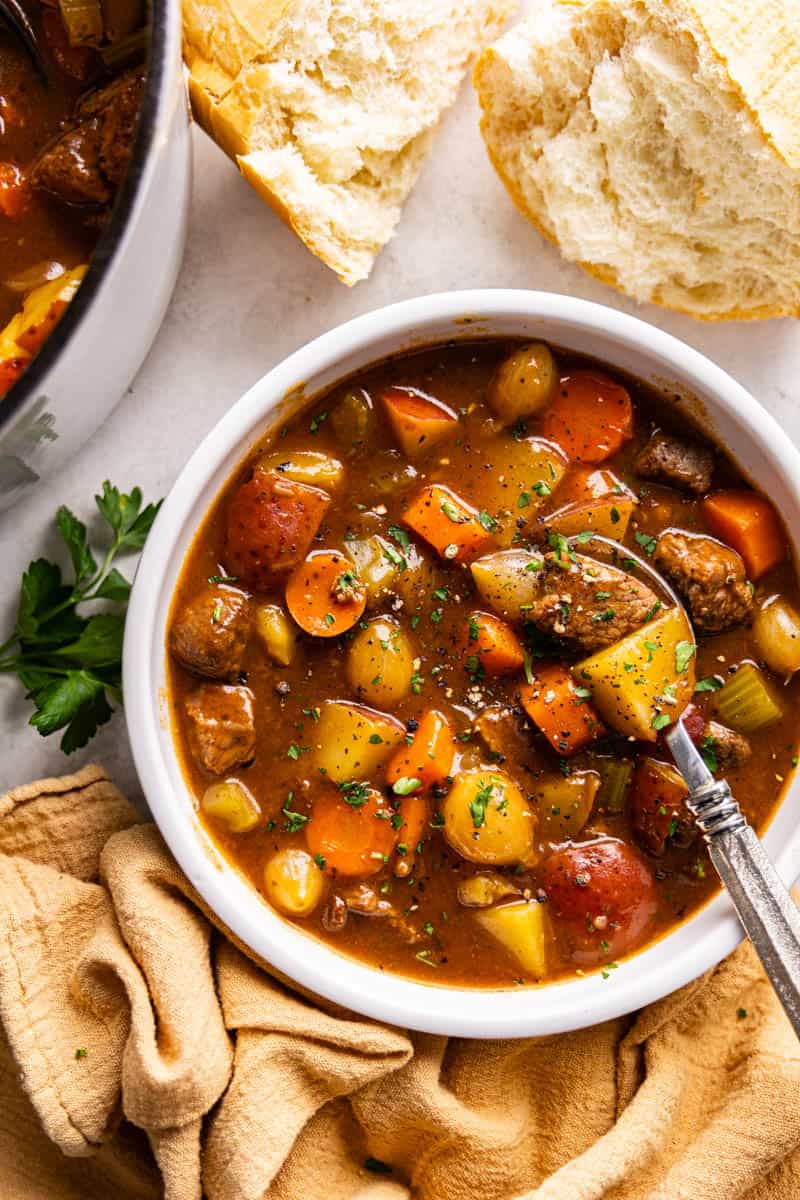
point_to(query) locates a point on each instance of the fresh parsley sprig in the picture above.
(69, 663)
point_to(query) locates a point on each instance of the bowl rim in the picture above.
(665, 965)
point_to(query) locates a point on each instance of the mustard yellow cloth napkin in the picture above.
(145, 1055)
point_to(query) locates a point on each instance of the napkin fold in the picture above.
(145, 1055)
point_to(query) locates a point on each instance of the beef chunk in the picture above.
(87, 162)
(505, 734)
(732, 750)
(221, 726)
(210, 632)
(685, 465)
(362, 899)
(710, 577)
(588, 602)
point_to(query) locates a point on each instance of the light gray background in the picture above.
(249, 293)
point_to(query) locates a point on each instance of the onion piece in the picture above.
(32, 277)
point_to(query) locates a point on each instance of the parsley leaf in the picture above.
(684, 652)
(70, 664)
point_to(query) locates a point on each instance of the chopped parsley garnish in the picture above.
(329, 618)
(354, 793)
(452, 513)
(317, 421)
(217, 613)
(646, 541)
(542, 489)
(474, 668)
(441, 593)
(607, 614)
(223, 579)
(661, 720)
(406, 785)
(477, 807)
(711, 683)
(320, 861)
(294, 820)
(684, 652)
(648, 616)
(474, 629)
(584, 536)
(524, 500)
(614, 514)
(400, 536)
(708, 750)
(417, 681)
(527, 666)
(395, 557)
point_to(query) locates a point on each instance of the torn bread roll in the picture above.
(657, 143)
(329, 106)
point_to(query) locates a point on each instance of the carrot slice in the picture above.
(448, 523)
(413, 817)
(490, 643)
(418, 421)
(750, 525)
(429, 758)
(351, 829)
(563, 713)
(325, 595)
(590, 418)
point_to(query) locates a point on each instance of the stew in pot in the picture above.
(424, 651)
(64, 148)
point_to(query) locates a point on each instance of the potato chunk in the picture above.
(523, 929)
(643, 682)
(353, 741)
(488, 820)
(379, 663)
(293, 882)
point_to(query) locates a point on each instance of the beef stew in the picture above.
(420, 694)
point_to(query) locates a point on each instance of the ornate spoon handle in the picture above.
(766, 910)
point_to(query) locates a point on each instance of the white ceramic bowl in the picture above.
(727, 412)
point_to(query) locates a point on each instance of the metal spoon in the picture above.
(765, 908)
(767, 912)
(15, 16)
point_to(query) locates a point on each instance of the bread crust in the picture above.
(717, 19)
(243, 87)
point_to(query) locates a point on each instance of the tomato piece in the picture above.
(351, 829)
(590, 418)
(269, 526)
(325, 595)
(603, 896)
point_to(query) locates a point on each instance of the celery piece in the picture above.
(747, 701)
(615, 775)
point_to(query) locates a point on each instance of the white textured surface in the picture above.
(249, 293)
